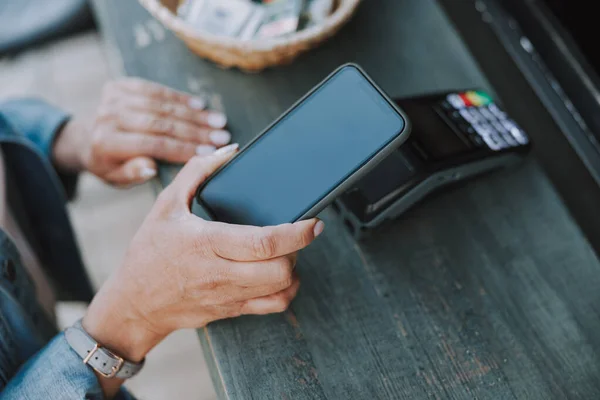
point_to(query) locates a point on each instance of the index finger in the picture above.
(154, 90)
(251, 243)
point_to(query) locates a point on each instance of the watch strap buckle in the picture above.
(97, 357)
(115, 368)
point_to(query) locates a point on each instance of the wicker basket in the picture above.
(252, 55)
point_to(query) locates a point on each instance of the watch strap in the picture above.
(102, 360)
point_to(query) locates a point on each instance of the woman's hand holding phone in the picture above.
(184, 272)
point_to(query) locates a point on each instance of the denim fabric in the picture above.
(33, 364)
(34, 120)
(56, 373)
(38, 192)
(37, 122)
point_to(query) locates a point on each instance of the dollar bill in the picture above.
(281, 17)
(254, 19)
(219, 17)
(315, 12)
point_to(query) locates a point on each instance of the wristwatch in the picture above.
(103, 361)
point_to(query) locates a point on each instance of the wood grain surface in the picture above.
(486, 291)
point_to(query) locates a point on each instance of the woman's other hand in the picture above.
(137, 123)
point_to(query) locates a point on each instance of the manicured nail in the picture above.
(205, 149)
(147, 172)
(197, 103)
(216, 120)
(227, 149)
(220, 137)
(318, 229)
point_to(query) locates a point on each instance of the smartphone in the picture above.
(314, 152)
(456, 136)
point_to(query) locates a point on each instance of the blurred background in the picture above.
(70, 71)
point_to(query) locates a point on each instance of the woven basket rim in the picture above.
(163, 14)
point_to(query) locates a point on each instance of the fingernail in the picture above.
(318, 229)
(227, 149)
(205, 149)
(220, 137)
(216, 120)
(147, 172)
(197, 103)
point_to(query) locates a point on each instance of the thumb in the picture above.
(134, 171)
(197, 170)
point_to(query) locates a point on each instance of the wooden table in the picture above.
(487, 291)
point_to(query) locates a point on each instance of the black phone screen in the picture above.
(305, 155)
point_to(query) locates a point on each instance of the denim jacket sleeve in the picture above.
(56, 372)
(39, 123)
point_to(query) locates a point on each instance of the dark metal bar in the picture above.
(518, 74)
